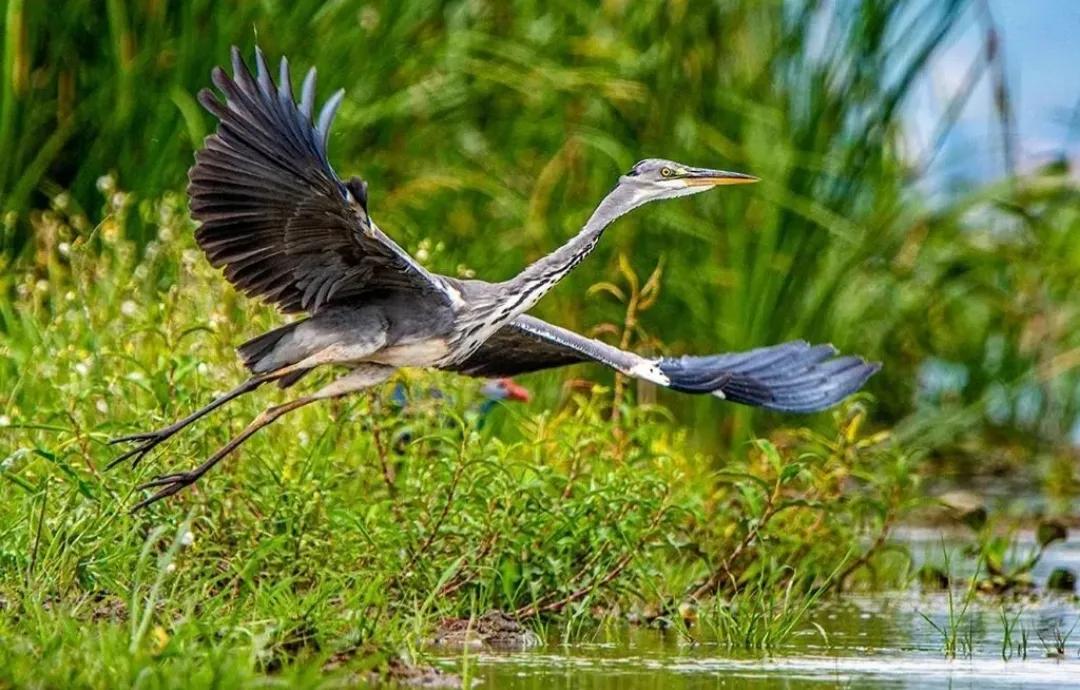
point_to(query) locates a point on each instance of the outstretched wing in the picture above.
(793, 377)
(274, 214)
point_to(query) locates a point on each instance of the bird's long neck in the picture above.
(526, 288)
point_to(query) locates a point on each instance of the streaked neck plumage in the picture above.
(503, 302)
(527, 288)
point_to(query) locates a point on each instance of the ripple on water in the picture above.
(881, 640)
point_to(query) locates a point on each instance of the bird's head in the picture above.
(656, 178)
(505, 389)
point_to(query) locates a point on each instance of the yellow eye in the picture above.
(667, 172)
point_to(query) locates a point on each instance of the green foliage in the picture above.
(465, 115)
(955, 627)
(323, 542)
(323, 539)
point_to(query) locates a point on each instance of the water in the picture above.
(879, 641)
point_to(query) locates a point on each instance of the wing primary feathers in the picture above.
(804, 380)
(790, 377)
(285, 94)
(326, 116)
(263, 72)
(307, 94)
(273, 213)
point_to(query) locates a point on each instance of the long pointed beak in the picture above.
(704, 177)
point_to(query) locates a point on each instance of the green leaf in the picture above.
(790, 471)
(1050, 531)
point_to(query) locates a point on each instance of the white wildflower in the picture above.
(369, 18)
(188, 538)
(42, 285)
(129, 308)
(189, 257)
(105, 183)
(64, 248)
(5, 420)
(81, 369)
(102, 406)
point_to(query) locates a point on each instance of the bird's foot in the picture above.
(146, 442)
(168, 484)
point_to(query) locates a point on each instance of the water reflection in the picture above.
(879, 641)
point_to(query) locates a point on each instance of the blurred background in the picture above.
(919, 206)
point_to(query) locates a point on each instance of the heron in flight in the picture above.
(286, 229)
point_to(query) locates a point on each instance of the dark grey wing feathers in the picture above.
(791, 377)
(274, 214)
(514, 350)
(307, 94)
(587, 348)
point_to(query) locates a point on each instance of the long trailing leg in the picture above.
(148, 440)
(362, 377)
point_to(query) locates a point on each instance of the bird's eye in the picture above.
(667, 172)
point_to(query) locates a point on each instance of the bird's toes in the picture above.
(168, 483)
(177, 478)
(141, 436)
(137, 453)
(164, 493)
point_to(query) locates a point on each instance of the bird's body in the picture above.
(284, 228)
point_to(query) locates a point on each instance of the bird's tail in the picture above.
(793, 377)
(257, 353)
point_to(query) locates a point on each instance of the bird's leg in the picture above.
(171, 483)
(148, 440)
(362, 377)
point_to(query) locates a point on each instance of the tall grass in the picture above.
(325, 538)
(481, 126)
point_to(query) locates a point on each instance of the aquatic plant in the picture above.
(1010, 619)
(526, 126)
(339, 557)
(339, 548)
(956, 631)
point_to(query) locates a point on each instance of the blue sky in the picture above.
(1040, 40)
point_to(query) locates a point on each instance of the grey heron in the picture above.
(286, 229)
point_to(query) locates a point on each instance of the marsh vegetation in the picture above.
(602, 511)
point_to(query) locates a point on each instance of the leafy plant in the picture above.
(956, 631)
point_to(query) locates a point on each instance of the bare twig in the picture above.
(533, 610)
(460, 580)
(886, 529)
(617, 569)
(389, 476)
(434, 531)
(712, 583)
